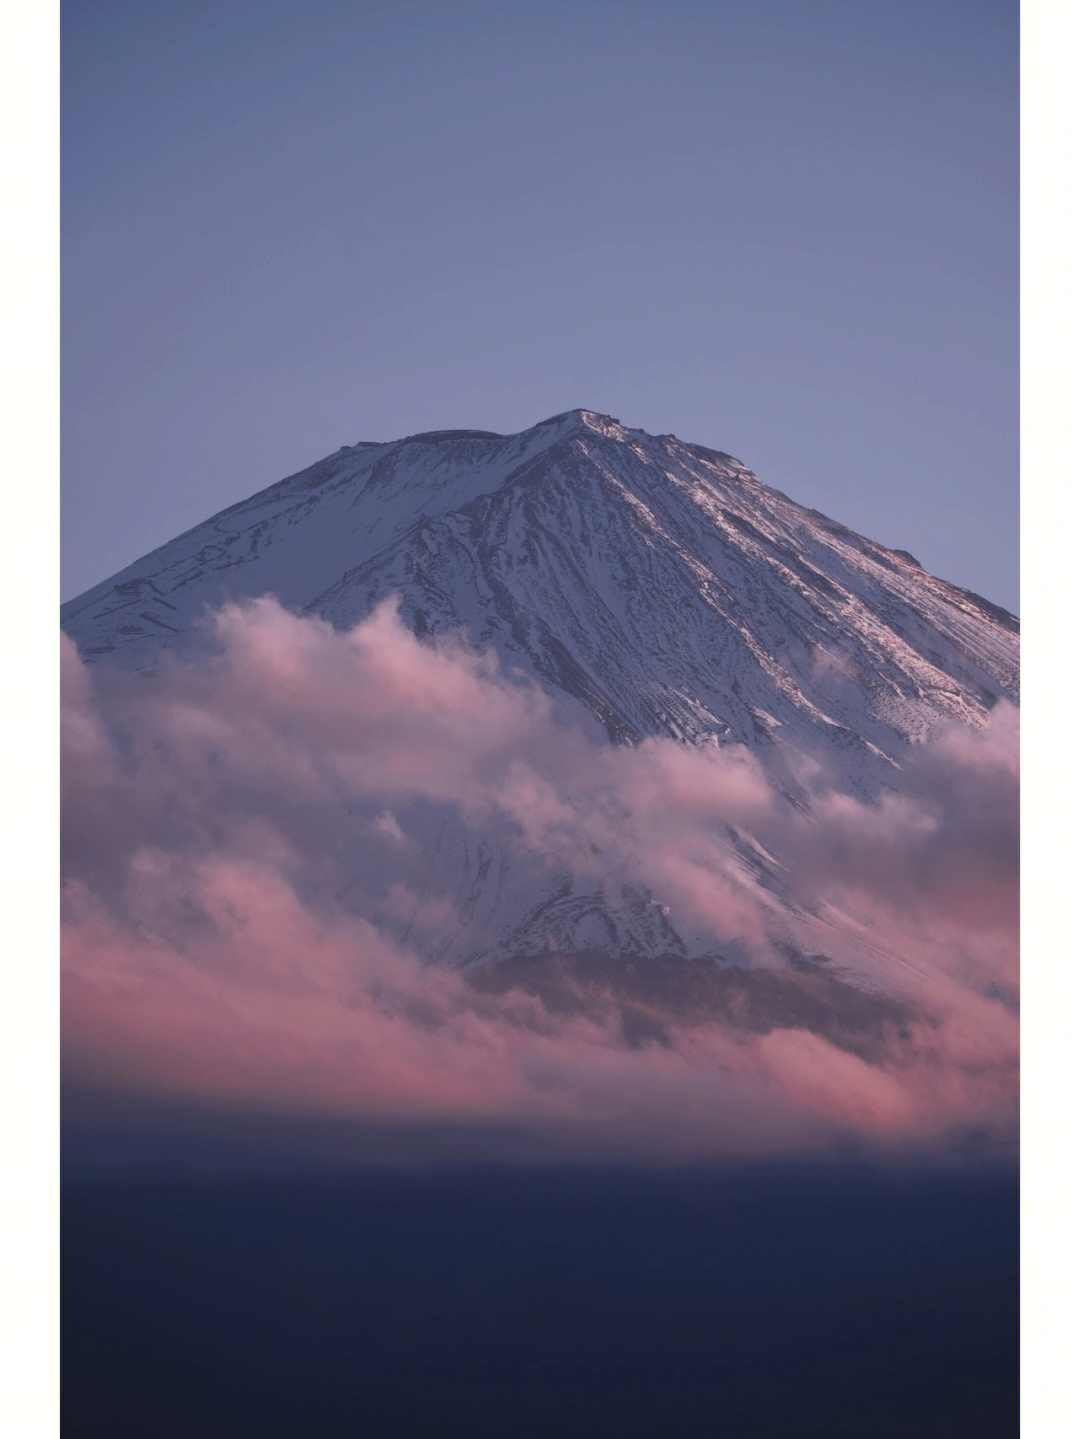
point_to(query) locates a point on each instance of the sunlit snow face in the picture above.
(259, 863)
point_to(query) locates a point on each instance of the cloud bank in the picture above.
(255, 879)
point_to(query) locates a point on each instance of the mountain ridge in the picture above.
(661, 585)
(661, 589)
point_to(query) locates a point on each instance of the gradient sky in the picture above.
(784, 230)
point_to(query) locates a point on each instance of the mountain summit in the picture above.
(659, 583)
(660, 592)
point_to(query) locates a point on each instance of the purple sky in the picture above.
(784, 230)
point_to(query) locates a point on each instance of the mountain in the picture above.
(657, 583)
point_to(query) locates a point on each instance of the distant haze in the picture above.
(781, 230)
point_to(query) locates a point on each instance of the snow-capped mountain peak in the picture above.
(654, 585)
(658, 582)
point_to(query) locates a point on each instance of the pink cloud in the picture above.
(249, 899)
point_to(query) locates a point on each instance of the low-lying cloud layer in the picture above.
(253, 888)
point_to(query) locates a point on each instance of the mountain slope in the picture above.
(656, 583)
(659, 583)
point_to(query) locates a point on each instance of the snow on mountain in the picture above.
(656, 583)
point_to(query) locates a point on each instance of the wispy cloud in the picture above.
(250, 898)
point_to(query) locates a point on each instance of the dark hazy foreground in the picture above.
(488, 1300)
